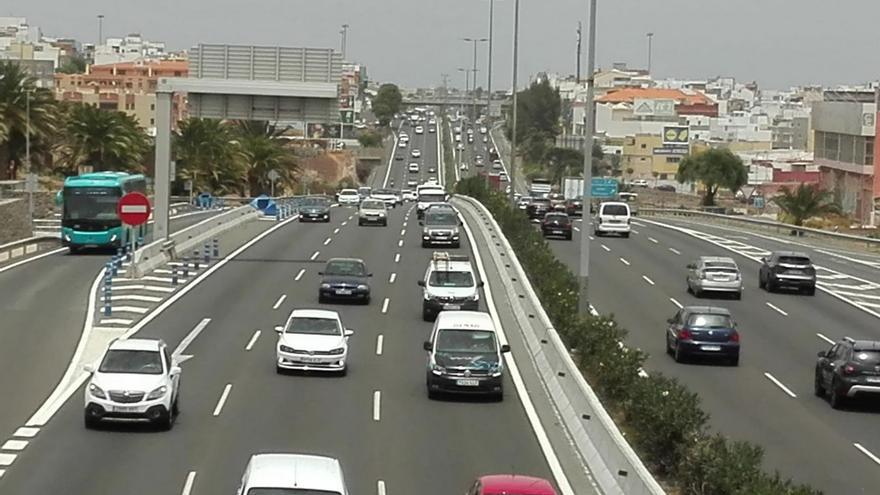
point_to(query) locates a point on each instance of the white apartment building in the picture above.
(128, 49)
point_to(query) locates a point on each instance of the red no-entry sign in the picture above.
(133, 208)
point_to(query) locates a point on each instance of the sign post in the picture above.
(133, 209)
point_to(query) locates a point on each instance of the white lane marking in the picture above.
(634, 231)
(780, 385)
(25, 432)
(279, 301)
(402, 232)
(826, 339)
(648, 279)
(385, 305)
(178, 355)
(576, 229)
(676, 251)
(380, 487)
(7, 459)
(776, 308)
(606, 248)
(327, 241)
(350, 217)
(16, 445)
(188, 484)
(380, 341)
(377, 405)
(591, 237)
(652, 240)
(397, 258)
(678, 304)
(250, 344)
(336, 231)
(222, 401)
(392, 278)
(315, 255)
(34, 258)
(2, 472)
(345, 223)
(874, 264)
(400, 243)
(404, 224)
(867, 453)
(623, 260)
(300, 274)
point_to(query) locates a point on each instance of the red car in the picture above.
(511, 484)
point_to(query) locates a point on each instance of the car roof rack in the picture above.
(445, 257)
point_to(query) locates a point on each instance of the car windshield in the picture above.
(614, 210)
(432, 197)
(709, 321)
(314, 326)
(451, 279)
(721, 266)
(465, 341)
(794, 260)
(557, 218)
(373, 205)
(314, 202)
(350, 268)
(441, 218)
(132, 361)
(348, 192)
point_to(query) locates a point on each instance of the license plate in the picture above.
(310, 360)
(873, 379)
(343, 292)
(467, 383)
(124, 409)
(557, 232)
(711, 348)
(454, 307)
(795, 272)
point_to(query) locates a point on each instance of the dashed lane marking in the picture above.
(300, 274)
(225, 395)
(826, 339)
(780, 385)
(385, 305)
(646, 279)
(623, 260)
(279, 301)
(250, 344)
(678, 304)
(380, 341)
(776, 308)
(315, 255)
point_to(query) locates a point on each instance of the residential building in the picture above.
(128, 49)
(646, 155)
(845, 128)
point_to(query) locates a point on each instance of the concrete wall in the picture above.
(44, 202)
(14, 224)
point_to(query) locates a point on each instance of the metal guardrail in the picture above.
(31, 245)
(613, 463)
(779, 228)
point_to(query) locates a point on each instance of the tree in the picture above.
(715, 168)
(18, 91)
(561, 162)
(387, 103)
(73, 65)
(537, 121)
(206, 154)
(262, 150)
(370, 139)
(105, 140)
(805, 202)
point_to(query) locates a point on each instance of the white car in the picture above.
(401, 144)
(292, 473)
(460, 146)
(432, 130)
(464, 166)
(483, 130)
(413, 168)
(613, 218)
(349, 197)
(312, 340)
(640, 183)
(135, 379)
(420, 130)
(412, 183)
(416, 153)
(409, 195)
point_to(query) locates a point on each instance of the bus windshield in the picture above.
(91, 203)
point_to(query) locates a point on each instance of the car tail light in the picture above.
(849, 370)
(734, 337)
(685, 334)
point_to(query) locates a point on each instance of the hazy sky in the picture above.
(778, 43)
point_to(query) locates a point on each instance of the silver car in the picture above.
(714, 274)
(373, 211)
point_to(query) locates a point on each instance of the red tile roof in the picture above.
(627, 95)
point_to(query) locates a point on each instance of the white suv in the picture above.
(613, 218)
(449, 284)
(349, 197)
(312, 340)
(136, 379)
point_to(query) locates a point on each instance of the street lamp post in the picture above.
(474, 95)
(512, 162)
(650, 50)
(100, 30)
(344, 34)
(583, 293)
(27, 155)
(489, 69)
(467, 78)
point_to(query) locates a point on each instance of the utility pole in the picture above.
(467, 78)
(344, 33)
(578, 76)
(583, 299)
(474, 95)
(491, 37)
(650, 50)
(445, 78)
(512, 162)
(100, 31)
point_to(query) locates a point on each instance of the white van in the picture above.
(613, 217)
(292, 473)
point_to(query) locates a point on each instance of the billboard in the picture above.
(654, 107)
(322, 131)
(676, 134)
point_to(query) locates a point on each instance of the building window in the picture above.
(644, 146)
(152, 106)
(832, 146)
(869, 150)
(673, 159)
(152, 121)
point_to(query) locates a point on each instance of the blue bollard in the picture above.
(174, 275)
(207, 252)
(127, 254)
(196, 259)
(216, 248)
(186, 267)
(114, 266)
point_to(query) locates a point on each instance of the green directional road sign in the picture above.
(602, 187)
(346, 116)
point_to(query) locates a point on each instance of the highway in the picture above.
(781, 334)
(43, 303)
(377, 420)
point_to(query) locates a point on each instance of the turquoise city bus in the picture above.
(89, 216)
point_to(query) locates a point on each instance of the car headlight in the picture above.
(381, 213)
(157, 393)
(338, 350)
(325, 286)
(496, 370)
(66, 237)
(96, 391)
(113, 238)
(363, 287)
(437, 370)
(284, 348)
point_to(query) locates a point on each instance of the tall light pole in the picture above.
(100, 30)
(489, 70)
(583, 293)
(578, 64)
(344, 34)
(474, 96)
(467, 78)
(650, 50)
(512, 162)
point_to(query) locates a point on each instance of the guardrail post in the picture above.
(196, 259)
(277, 212)
(207, 252)
(216, 248)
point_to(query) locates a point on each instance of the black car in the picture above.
(538, 208)
(665, 187)
(345, 278)
(575, 207)
(314, 209)
(556, 224)
(849, 369)
(398, 157)
(789, 270)
(703, 331)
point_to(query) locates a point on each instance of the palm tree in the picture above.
(262, 150)
(206, 154)
(106, 140)
(805, 202)
(18, 91)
